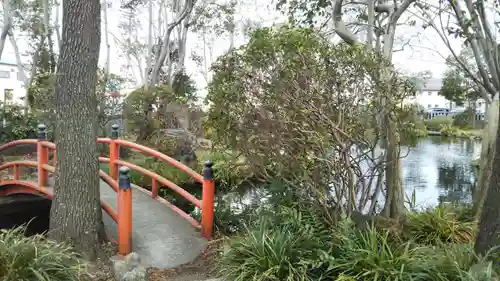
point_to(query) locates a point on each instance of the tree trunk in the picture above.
(394, 199)
(489, 224)
(76, 212)
(7, 25)
(486, 158)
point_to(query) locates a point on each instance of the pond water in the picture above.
(437, 170)
(440, 170)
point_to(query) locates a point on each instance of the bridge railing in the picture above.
(206, 203)
(119, 180)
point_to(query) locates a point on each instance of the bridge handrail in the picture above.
(156, 154)
(42, 189)
(188, 196)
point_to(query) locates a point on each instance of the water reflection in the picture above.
(439, 170)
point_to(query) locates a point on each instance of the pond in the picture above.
(437, 170)
(440, 170)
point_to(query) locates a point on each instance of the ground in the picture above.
(200, 269)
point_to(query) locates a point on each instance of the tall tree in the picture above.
(76, 212)
(488, 236)
(457, 84)
(6, 25)
(32, 18)
(379, 20)
(471, 22)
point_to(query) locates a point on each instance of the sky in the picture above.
(424, 51)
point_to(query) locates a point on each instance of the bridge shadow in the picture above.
(19, 209)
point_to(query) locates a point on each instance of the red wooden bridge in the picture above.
(140, 220)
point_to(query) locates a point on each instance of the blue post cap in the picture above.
(208, 172)
(124, 178)
(42, 135)
(114, 131)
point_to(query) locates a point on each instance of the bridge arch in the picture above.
(12, 187)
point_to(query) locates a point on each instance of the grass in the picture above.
(294, 243)
(443, 224)
(475, 133)
(36, 258)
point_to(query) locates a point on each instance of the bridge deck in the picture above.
(160, 236)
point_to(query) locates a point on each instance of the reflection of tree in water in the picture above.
(456, 181)
(413, 177)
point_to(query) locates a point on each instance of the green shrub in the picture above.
(230, 171)
(464, 119)
(442, 224)
(294, 243)
(451, 131)
(35, 258)
(420, 128)
(18, 125)
(438, 122)
(370, 255)
(230, 219)
(287, 247)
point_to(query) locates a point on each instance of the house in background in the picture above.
(12, 90)
(428, 97)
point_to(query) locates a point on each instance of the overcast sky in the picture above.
(425, 51)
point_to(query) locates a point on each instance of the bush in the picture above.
(17, 124)
(443, 224)
(294, 122)
(35, 258)
(370, 255)
(438, 122)
(451, 131)
(294, 243)
(231, 173)
(420, 128)
(287, 247)
(464, 119)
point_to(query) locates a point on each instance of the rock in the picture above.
(176, 143)
(129, 269)
(483, 271)
(135, 275)
(204, 143)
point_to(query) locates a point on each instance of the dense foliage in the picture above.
(17, 125)
(293, 243)
(36, 258)
(294, 105)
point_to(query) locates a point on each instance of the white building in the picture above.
(12, 89)
(428, 97)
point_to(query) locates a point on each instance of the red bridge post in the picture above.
(43, 156)
(114, 152)
(124, 212)
(207, 201)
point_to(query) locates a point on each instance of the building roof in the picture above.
(4, 61)
(431, 84)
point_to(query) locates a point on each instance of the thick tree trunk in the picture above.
(487, 154)
(489, 225)
(394, 199)
(76, 212)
